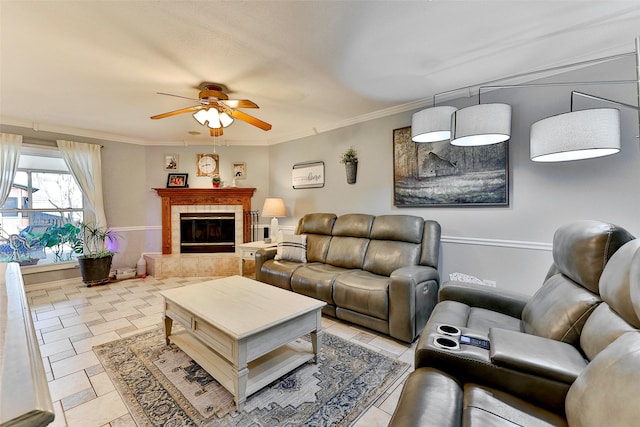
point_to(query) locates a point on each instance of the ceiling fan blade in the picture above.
(237, 114)
(215, 131)
(178, 96)
(240, 103)
(176, 112)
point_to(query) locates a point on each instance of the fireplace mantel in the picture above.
(202, 196)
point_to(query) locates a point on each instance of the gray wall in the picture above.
(508, 245)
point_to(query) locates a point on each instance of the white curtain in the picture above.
(85, 164)
(10, 146)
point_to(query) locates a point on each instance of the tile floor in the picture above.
(71, 318)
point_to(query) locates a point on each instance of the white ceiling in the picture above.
(93, 68)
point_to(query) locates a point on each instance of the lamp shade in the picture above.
(273, 207)
(432, 124)
(481, 124)
(576, 135)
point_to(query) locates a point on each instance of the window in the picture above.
(43, 199)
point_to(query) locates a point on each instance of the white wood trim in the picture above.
(512, 244)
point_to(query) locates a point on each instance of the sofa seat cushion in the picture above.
(433, 398)
(363, 292)
(278, 273)
(559, 309)
(316, 281)
(480, 320)
(484, 406)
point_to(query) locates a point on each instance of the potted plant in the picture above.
(215, 180)
(350, 160)
(95, 262)
(57, 238)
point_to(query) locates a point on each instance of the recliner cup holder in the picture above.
(446, 343)
(449, 330)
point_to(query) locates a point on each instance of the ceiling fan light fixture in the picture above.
(201, 116)
(225, 119)
(213, 118)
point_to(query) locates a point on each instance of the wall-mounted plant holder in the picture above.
(352, 172)
(350, 160)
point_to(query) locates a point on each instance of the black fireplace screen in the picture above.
(207, 232)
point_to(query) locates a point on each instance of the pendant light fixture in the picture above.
(432, 124)
(576, 135)
(481, 124)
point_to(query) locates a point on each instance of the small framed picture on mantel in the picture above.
(177, 180)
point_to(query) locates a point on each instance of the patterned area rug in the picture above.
(162, 386)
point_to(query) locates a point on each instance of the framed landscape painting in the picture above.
(440, 174)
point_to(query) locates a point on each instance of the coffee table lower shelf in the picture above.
(262, 371)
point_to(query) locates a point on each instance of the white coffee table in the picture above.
(242, 331)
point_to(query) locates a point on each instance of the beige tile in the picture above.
(144, 322)
(88, 343)
(101, 384)
(123, 421)
(78, 399)
(81, 318)
(55, 347)
(73, 364)
(120, 313)
(97, 412)
(55, 313)
(154, 309)
(374, 417)
(59, 420)
(390, 403)
(47, 323)
(109, 326)
(68, 385)
(50, 337)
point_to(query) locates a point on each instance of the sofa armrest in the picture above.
(505, 302)
(413, 292)
(429, 398)
(263, 255)
(535, 355)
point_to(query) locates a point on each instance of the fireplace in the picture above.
(228, 202)
(207, 232)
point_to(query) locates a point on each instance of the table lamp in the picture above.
(274, 208)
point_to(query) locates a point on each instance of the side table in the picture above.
(248, 251)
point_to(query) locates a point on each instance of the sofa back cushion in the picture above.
(605, 393)
(618, 313)
(347, 252)
(430, 244)
(559, 310)
(316, 223)
(581, 250)
(350, 240)
(353, 225)
(317, 227)
(401, 228)
(385, 256)
(569, 295)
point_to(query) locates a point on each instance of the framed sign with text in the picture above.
(307, 175)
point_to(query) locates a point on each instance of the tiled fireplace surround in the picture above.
(177, 201)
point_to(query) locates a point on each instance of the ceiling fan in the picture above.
(216, 110)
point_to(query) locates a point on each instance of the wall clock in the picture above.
(207, 164)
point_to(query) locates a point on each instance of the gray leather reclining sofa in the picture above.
(376, 271)
(569, 355)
